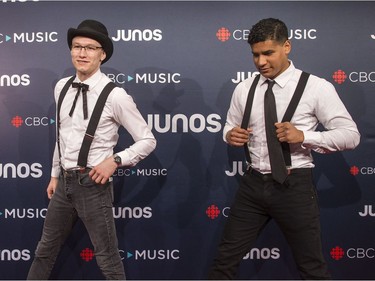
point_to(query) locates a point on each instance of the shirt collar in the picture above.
(283, 78)
(92, 81)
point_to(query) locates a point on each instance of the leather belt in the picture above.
(268, 176)
(74, 171)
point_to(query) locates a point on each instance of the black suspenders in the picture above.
(92, 125)
(287, 116)
(61, 97)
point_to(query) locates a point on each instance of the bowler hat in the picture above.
(94, 30)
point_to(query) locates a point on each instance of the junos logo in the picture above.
(132, 213)
(263, 254)
(15, 255)
(22, 170)
(138, 35)
(367, 211)
(237, 168)
(196, 123)
(241, 76)
(14, 80)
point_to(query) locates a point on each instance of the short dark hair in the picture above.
(268, 29)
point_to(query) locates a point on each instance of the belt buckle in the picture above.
(67, 173)
(81, 170)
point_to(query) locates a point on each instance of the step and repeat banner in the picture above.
(180, 61)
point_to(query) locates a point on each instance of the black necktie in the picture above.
(278, 168)
(84, 88)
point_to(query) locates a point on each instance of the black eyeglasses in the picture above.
(89, 49)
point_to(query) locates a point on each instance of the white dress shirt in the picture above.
(119, 109)
(320, 103)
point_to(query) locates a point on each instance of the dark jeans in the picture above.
(294, 208)
(78, 196)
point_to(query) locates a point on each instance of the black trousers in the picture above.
(293, 205)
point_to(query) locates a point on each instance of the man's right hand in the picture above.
(52, 187)
(238, 136)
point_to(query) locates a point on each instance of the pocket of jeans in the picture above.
(85, 180)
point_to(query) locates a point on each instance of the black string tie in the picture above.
(84, 88)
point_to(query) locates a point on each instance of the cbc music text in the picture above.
(147, 78)
(120, 172)
(118, 213)
(297, 34)
(32, 37)
(162, 254)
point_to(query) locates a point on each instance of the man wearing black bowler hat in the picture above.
(90, 110)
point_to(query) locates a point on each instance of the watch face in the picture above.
(118, 159)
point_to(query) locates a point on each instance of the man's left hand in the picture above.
(102, 172)
(286, 132)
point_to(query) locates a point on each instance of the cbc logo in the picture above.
(341, 76)
(224, 34)
(214, 212)
(354, 170)
(34, 121)
(339, 253)
(37, 121)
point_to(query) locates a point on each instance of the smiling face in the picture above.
(87, 56)
(271, 57)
